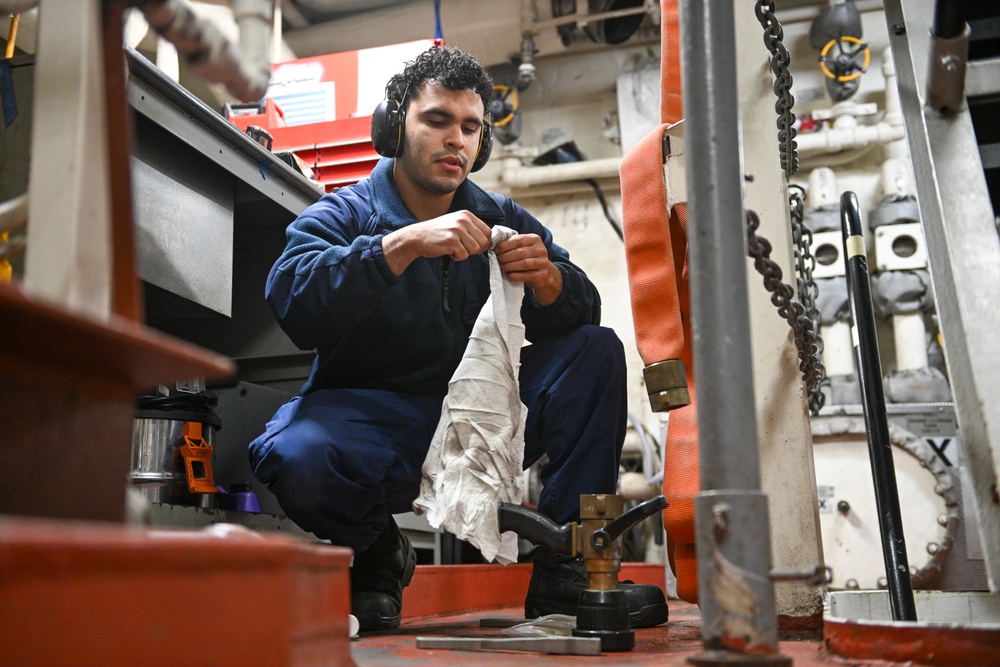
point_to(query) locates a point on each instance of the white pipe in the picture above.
(837, 139)
(347, 6)
(529, 16)
(135, 27)
(167, 59)
(13, 213)
(896, 179)
(910, 334)
(276, 19)
(516, 175)
(893, 108)
(635, 486)
(822, 187)
(253, 17)
(209, 53)
(838, 348)
(16, 6)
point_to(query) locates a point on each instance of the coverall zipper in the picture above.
(447, 266)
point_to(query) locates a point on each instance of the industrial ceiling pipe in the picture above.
(210, 53)
(16, 6)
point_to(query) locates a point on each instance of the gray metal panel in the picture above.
(964, 251)
(189, 119)
(185, 236)
(190, 163)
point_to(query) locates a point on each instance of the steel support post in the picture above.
(964, 251)
(729, 468)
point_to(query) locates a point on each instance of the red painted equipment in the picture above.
(320, 108)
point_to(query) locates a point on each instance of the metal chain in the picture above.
(806, 338)
(805, 263)
(773, 34)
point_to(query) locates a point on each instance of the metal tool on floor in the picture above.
(602, 610)
(555, 645)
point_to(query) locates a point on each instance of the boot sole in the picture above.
(646, 617)
(375, 622)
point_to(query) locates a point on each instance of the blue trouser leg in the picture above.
(340, 461)
(575, 389)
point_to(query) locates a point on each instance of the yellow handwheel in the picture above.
(846, 60)
(504, 105)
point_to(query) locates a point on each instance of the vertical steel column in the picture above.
(720, 307)
(890, 521)
(735, 592)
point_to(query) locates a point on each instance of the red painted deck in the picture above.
(75, 593)
(669, 645)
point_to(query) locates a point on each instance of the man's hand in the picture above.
(457, 235)
(523, 258)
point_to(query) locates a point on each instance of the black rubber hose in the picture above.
(949, 18)
(866, 354)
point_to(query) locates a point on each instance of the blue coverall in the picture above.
(347, 451)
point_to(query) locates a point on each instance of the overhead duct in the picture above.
(624, 20)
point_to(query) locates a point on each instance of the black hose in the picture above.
(897, 569)
(607, 210)
(949, 18)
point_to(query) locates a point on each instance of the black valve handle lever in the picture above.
(536, 528)
(602, 538)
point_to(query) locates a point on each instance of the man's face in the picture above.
(442, 137)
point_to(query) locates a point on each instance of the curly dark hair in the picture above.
(451, 67)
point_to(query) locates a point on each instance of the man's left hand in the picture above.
(523, 258)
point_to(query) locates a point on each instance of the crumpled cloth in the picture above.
(476, 456)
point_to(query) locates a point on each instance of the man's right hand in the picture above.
(457, 235)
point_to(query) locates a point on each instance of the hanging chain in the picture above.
(807, 340)
(802, 316)
(805, 263)
(780, 58)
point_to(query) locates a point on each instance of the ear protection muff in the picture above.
(389, 120)
(485, 145)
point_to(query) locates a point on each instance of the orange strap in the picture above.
(656, 258)
(671, 106)
(651, 254)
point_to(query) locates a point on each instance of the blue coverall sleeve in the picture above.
(330, 274)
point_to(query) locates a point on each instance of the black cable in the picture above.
(604, 205)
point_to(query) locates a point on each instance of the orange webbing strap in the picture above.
(656, 260)
(649, 252)
(681, 479)
(671, 106)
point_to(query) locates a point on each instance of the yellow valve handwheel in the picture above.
(502, 93)
(845, 58)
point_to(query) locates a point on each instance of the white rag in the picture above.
(475, 459)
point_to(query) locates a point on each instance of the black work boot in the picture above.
(378, 577)
(557, 581)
